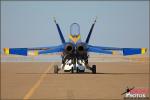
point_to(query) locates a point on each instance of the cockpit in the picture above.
(75, 33)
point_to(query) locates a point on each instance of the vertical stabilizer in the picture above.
(90, 32)
(59, 31)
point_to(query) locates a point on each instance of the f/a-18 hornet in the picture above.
(75, 53)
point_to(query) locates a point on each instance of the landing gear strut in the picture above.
(77, 70)
(72, 70)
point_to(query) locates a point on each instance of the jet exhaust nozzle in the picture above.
(81, 49)
(69, 48)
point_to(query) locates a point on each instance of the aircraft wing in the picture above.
(125, 51)
(98, 50)
(35, 51)
(52, 50)
(107, 48)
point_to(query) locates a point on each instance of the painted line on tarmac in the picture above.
(37, 84)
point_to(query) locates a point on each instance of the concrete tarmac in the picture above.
(35, 80)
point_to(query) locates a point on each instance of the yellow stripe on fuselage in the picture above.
(6, 51)
(143, 50)
(74, 38)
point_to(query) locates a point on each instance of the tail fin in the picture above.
(59, 31)
(90, 32)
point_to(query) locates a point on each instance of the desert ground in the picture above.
(35, 80)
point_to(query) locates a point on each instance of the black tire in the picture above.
(86, 61)
(94, 69)
(82, 71)
(72, 70)
(56, 69)
(78, 70)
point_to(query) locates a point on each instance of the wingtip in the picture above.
(143, 50)
(6, 51)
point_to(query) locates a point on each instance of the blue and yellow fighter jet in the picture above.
(75, 53)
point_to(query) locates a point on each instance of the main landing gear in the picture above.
(79, 67)
(93, 69)
(77, 70)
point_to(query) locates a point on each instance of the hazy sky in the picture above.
(30, 23)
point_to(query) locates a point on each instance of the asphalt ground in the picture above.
(35, 80)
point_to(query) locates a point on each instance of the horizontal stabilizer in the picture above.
(133, 51)
(16, 51)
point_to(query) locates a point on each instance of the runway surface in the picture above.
(35, 80)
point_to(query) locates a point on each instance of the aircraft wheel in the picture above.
(94, 69)
(72, 70)
(56, 69)
(78, 70)
(82, 71)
